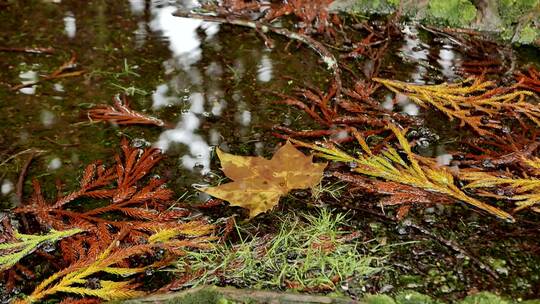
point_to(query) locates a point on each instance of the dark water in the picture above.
(212, 83)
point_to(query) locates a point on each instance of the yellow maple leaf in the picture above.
(258, 183)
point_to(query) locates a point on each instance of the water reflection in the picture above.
(189, 84)
(265, 69)
(181, 34)
(136, 6)
(47, 118)
(447, 61)
(7, 187)
(70, 27)
(54, 164)
(28, 77)
(414, 50)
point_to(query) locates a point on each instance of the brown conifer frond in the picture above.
(359, 110)
(132, 168)
(143, 202)
(481, 67)
(67, 69)
(120, 113)
(81, 276)
(529, 80)
(95, 176)
(313, 14)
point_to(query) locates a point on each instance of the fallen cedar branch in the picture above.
(121, 113)
(37, 50)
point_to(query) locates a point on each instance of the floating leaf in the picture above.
(258, 183)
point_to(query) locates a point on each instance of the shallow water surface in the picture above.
(213, 85)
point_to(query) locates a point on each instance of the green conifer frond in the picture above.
(390, 166)
(12, 252)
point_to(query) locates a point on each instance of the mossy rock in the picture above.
(451, 12)
(413, 297)
(379, 299)
(484, 298)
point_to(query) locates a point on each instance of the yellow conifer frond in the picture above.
(526, 191)
(12, 252)
(474, 101)
(190, 229)
(390, 166)
(81, 277)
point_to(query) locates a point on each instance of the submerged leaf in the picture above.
(258, 183)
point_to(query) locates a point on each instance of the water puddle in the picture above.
(211, 83)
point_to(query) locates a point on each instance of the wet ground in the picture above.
(212, 83)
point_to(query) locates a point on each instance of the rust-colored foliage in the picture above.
(356, 109)
(144, 203)
(80, 278)
(134, 217)
(481, 67)
(258, 183)
(508, 149)
(374, 46)
(313, 14)
(120, 113)
(529, 80)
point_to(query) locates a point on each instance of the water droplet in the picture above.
(487, 163)
(423, 142)
(140, 143)
(48, 247)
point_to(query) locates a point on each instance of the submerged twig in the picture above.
(64, 71)
(455, 247)
(20, 182)
(36, 50)
(327, 57)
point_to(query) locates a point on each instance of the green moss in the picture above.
(303, 254)
(451, 12)
(413, 297)
(528, 35)
(483, 298)
(512, 10)
(379, 299)
(375, 6)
